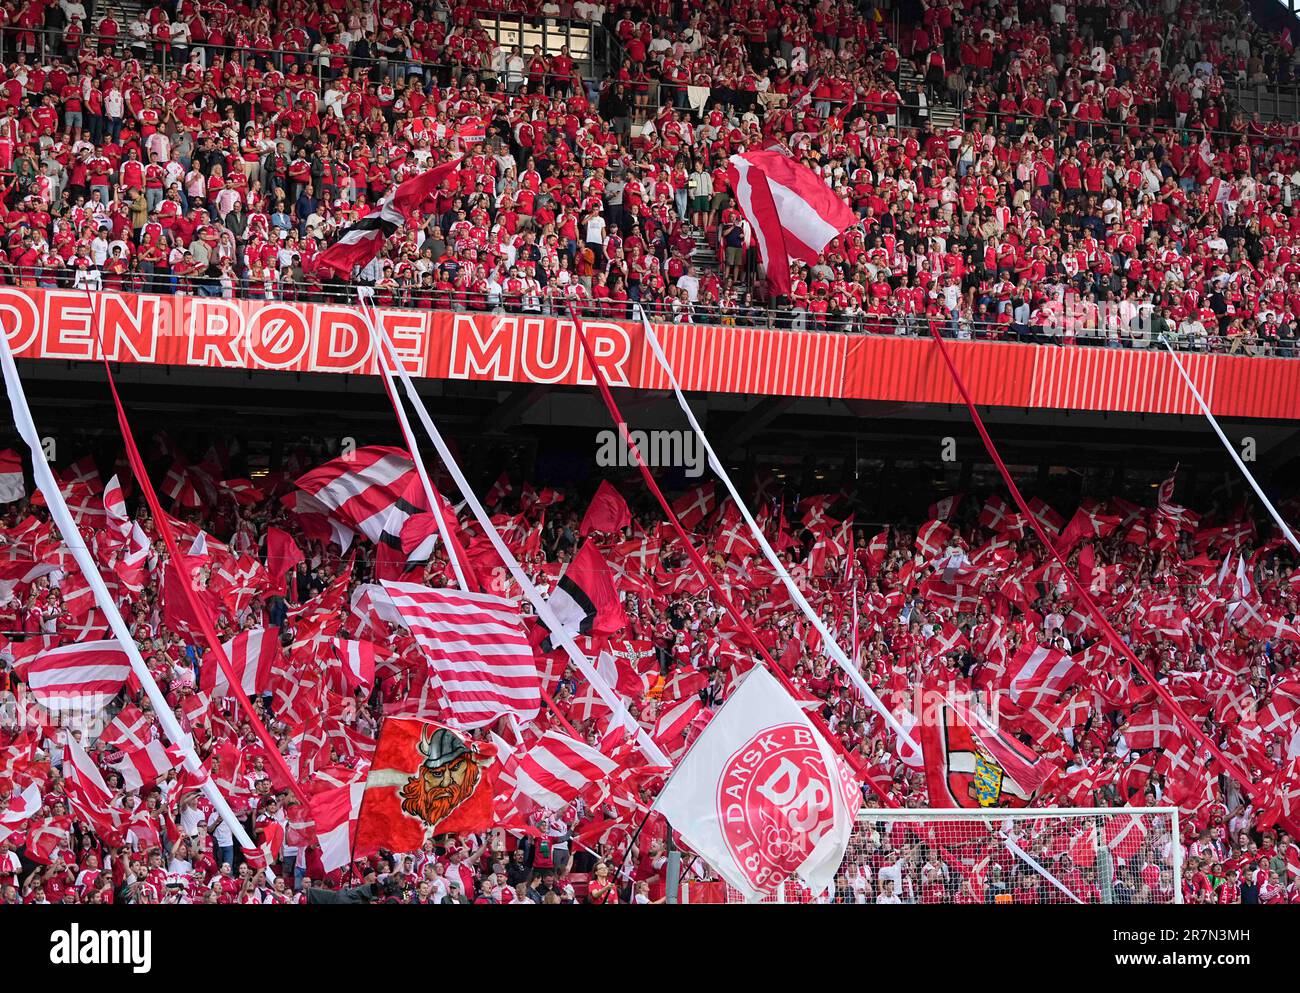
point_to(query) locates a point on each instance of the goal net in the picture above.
(1124, 855)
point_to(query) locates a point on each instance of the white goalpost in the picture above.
(1114, 855)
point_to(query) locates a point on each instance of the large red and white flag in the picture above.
(88, 794)
(478, 652)
(11, 476)
(1039, 675)
(335, 804)
(91, 669)
(361, 488)
(425, 779)
(360, 243)
(141, 767)
(252, 654)
(761, 796)
(558, 768)
(795, 215)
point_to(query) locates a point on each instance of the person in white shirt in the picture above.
(689, 282)
(887, 894)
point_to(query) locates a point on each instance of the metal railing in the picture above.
(1065, 331)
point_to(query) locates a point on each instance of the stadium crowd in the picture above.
(1097, 186)
(936, 606)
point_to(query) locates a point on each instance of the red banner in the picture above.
(517, 348)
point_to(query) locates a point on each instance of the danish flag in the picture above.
(1039, 674)
(695, 506)
(794, 214)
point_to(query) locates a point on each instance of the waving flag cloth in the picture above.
(91, 669)
(360, 243)
(88, 794)
(969, 763)
(253, 655)
(585, 600)
(1039, 674)
(793, 212)
(608, 511)
(761, 796)
(335, 805)
(360, 489)
(282, 555)
(141, 767)
(11, 476)
(558, 768)
(479, 655)
(425, 779)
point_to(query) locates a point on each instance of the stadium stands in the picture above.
(1067, 172)
(1059, 172)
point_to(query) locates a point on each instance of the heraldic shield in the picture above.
(969, 763)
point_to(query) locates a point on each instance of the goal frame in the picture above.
(991, 814)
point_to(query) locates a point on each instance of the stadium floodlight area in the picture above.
(1115, 855)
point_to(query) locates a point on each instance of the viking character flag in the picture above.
(584, 600)
(761, 796)
(479, 655)
(795, 215)
(360, 243)
(969, 763)
(11, 476)
(425, 779)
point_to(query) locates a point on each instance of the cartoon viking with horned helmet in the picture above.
(445, 779)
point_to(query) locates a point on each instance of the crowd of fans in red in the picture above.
(1208, 603)
(1098, 187)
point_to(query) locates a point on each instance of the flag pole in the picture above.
(701, 567)
(530, 592)
(435, 507)
(197, 607)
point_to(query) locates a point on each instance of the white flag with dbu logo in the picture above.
(761, 796)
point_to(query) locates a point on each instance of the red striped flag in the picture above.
(360, 489)
(477, 649)
(253, 654)
(558, 768)
(93, 668)
(88, 794)
(794, 213)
